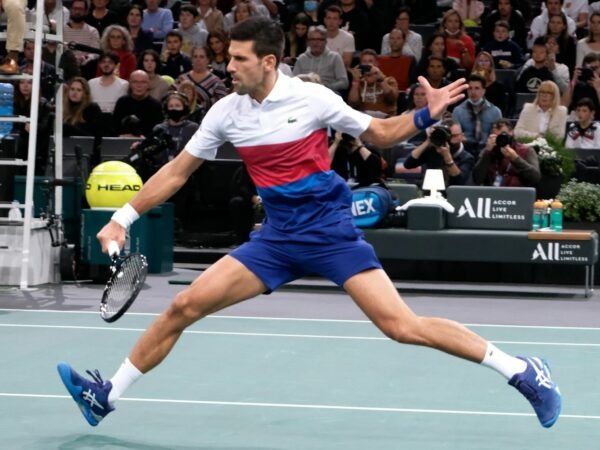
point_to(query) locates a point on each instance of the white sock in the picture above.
(125, 377)
(502, 363)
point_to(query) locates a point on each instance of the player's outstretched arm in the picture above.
(387, 132)
(159, 188)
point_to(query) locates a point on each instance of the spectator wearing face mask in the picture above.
(476, 115)
(176, 109)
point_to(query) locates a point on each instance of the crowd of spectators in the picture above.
(536, 64)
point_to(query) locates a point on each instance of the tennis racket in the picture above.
(127, 275)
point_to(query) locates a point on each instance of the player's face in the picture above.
(246, 68)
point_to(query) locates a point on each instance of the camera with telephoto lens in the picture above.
(152, 153)
(440, 136)
(587, 73)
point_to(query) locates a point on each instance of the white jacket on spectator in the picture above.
(539, 27)
(532, 120)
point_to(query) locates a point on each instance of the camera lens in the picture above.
(502, 139)
(439, 136)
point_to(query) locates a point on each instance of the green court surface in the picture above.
(266, 383)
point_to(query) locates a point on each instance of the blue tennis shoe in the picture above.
(90, 396)
(537, 386)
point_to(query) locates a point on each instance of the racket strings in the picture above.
(125, 281)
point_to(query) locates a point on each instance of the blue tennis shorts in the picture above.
(277, 263)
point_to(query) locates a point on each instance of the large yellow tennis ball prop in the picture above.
(112, 184)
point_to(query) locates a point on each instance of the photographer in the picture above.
(585, 83)
(354, 162)
(444, 149)
(505, 162)
(176, 109)
(371, 91)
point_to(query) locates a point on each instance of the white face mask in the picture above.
(476, 102)
(452, 33)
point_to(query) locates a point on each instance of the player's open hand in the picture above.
(439, 99)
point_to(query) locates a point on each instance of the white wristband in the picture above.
(125, 215)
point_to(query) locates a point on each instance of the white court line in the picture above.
(309, 406)
(300, 319)
(284, 335)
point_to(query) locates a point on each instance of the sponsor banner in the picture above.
(562, 251)
(491, 207)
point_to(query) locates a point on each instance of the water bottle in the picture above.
(6, 107)
(14, 213)
(539, 214)
(556, 215)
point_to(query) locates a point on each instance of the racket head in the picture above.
(123, 286)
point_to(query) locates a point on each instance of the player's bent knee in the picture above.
(186, 308)
(404, 332)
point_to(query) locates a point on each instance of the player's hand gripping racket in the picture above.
(124, 284)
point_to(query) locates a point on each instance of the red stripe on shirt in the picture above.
(277, 164)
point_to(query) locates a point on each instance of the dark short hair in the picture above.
(266, 35)
(174, 33)
(540, 41)
(335, 9)
(478, 78)
(590, 57)
(110, 55)
(191, 9)
(586, 101)
(502, 123)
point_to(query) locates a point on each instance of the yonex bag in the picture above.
(372, 206)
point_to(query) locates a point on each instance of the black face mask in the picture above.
(175, 114)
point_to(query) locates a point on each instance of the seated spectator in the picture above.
(591, 43)
(139, 103)
(81, 115)
(158, 21)
(209, 87)
(210, 18)
(578, 10)
(476, 115)
(149, 62)
(459, 45)
(402, 67)
(79, 32)
(413, 44)
(539, 24)
(142, 40)
(436, 72)
(585, 83)
(566, 52)
(354, 162)
(436, 46)
(107, 88)
(319, 59)
(218, 56)
(100, 17)
(508, 11)
(372, 92)
(187, 88)
(470, 11)
(495, 92)
(241, 11)
(356, 21)
(117, 39)
(22, 107)
(192, 35)
(536, 70)
(338, 40)
(506, 53)
(415, 100)
(174, 62)
(295, 38)
(585, 132)
(505, 162)
(544, 115)
(47, 71)
(176, 124)
(452, 157)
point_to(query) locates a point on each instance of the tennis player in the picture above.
(279, 127)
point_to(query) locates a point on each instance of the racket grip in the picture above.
(113, 248)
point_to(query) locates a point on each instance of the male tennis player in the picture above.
(279, 126)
